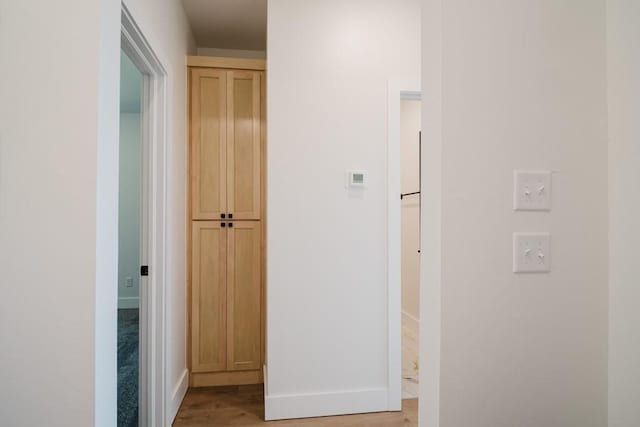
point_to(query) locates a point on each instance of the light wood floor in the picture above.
(244, 406)
(410, 358)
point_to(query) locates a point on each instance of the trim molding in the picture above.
(179, 391)
(153, 397)
(394, 277)
(265, 382)
(225, 378)
(220, 62)
(128, 302)
(279, 407)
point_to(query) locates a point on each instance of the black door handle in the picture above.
(230, 224)
(222, 216)
(230, 216)
(223, 225)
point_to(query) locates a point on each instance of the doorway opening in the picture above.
(142, 192)
(410, 196)
(404, 202)
(129, 241)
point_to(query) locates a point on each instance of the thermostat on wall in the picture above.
(357, 178)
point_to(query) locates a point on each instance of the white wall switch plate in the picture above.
(532, 190)
(128, 282)
(531, 252)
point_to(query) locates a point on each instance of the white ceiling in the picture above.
(228, 24)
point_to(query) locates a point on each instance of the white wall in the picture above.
(329, 66)
(410, 120)
(48, 151)
(58, 205)
(129, 210)
(623, 28)
(523, 86)
(166, 27)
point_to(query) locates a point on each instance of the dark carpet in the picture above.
(128, 367)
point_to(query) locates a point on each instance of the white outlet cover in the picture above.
(532, 190)
(531, 252)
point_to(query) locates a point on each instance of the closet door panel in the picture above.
(208, 143)
(244, 296)
(209, 297)
(243, 144)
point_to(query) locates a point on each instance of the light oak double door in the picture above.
(227, 296)
(225, 144)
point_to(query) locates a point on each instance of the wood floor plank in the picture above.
(244, 406)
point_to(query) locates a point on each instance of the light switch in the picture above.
(532, 190)
(531, 252)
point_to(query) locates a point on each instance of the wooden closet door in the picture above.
(209, 297)
(244, 296)
(208, 143)
(243, 144)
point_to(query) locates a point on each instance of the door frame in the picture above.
(397, 92)
(153, 113)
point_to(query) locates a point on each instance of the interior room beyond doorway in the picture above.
(410, 238)
(129, 234)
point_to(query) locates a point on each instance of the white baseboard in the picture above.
(411, 322)
(179, 391)
(128, 302)
(281, 407)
